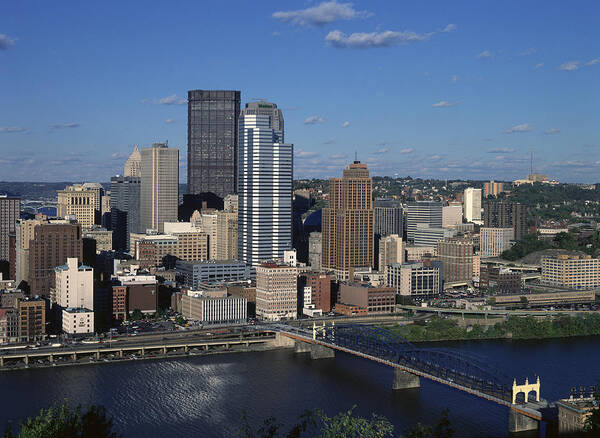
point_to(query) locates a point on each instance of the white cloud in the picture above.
(541, 64)
(381, 151)
(323, 13)
(523, 127)
(169, 121)
(337, 156)
(6, 41)
(501, 151)
(569, 66)
(592, 62)
(172, 100)
(8, 129)
(454, 79)
(64, 125)
(305, 154)
(345, 124)
(527, 52)
(407, 151)
(485, 54)
(444, 104)
(449, 28)
(552, 131)
(435, 158)
(314, 120)
(275, 34)
(364, 40)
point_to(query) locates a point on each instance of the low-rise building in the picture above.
(320, 290)
(134, 291)
(194, 273)
(571, 272)
(77, 321)
(494, 241)
(214, 308)
(573, 414)
(417, 279)
(374, 299)
(151, 249)
(32, 319)
(9, 325)
(500, 280)
(349, 309)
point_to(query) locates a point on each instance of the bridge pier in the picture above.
(518, 422)
(405, 380)
(302, 347)
(320, 352)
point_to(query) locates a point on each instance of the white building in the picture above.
(265, 167)
(276, 291)
(74, 286)
(494, 241)
(452, 215)
(214, 308)
(472, 205)
(76, 321)
(289, 257)
(391, 251)
(420, 280)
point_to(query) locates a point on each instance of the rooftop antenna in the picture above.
(356, 156)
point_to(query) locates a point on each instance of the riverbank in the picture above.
(441, 329)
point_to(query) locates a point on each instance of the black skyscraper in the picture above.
(213, 141)
(124, 209)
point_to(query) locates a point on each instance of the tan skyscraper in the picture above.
(347, 227)
(82, 201)
(159, 186)
(133, 164)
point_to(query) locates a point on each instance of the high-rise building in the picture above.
(133, 164)
(505, 214)
(390, 251)
(74, 285)
(24, 234)
(494, 241)
(276, 291)
(492, 188)
(10, 208)
(452, 215)
(81, 201)
(227, 235)
(422, 212)
(51, 246)
(348, 223)
(124, 209)
(456, 255)
(213, 141)
(472, 205)
(264, 190)
(315, 248)
(389, 217)
(159, 195)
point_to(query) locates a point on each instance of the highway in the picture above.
(440, 310)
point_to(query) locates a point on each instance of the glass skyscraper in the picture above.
(213, 117)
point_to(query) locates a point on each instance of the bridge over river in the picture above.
(464, 372)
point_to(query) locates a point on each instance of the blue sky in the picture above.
(462, 89)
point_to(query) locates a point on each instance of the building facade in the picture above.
(348, 223)
(77, 321)
(264, 190)
(124, 209)
(389, 217)
(210, 310)
(195, 273)
(571, 272)
(425, 235)
(320, 290)
(492, 188)
(10, 209)
(422, 212)
(452, 215)
(418, 280)
(472, 205)
(276, 291)
(391, 251)
(374, 299)
(159, 193)
(456, 256)
(133, 165)
(74, 285)
(494, 241)
(505, 214)
(80, 202)
(213, 117)
(31, 319)
(315, 248)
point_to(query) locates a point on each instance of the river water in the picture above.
(206, 396)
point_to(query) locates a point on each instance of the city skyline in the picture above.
(437, 92)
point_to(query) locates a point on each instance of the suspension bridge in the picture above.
(459, 370)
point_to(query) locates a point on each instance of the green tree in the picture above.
(137, 314)
(61, 421)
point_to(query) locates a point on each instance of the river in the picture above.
(205, 396)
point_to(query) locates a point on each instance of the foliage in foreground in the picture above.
(344, 425)
(61, 421)
(517, 327)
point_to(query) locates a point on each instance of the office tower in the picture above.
(472, 205)
(267, 109)
(452, 215)
(390, 251)
(9, 214)
(456, 256)
(264, 190)
(159, 194)
(276, 291)
(133, 164)
(348, 223)
(227, 235)
(505, 214)
(422, 212)
(24, 234)
(52, 244)
(73, 285)
(124, 209)
(492, 188)
(213, 141)
(388, 217)
(82, 201)
(494, 241)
